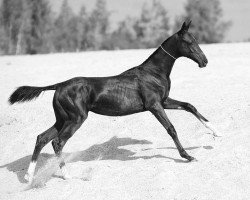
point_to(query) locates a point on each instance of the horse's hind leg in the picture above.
(69, 108)
(69, 128)
(41, 141)
(178, 105)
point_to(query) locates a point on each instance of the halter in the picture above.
(167, 52)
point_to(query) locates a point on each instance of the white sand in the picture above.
(132, 157)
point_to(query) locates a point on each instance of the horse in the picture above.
(142, 88)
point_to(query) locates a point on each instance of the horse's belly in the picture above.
(118, 104)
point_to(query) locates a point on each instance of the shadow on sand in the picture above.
(109, 150)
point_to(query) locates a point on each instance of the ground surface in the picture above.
(132, 157)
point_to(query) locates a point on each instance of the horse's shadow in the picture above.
(106, 151)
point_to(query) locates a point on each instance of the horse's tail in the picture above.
(27, 93)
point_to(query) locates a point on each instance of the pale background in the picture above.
(237, 11)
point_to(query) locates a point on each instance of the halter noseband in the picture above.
(167, 52)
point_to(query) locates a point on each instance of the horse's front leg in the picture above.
(159, 113)
(174, 104)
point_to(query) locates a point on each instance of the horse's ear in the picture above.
(185, 26)
(190, 21)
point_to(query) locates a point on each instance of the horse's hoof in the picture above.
(28, 178)
(191, 159)
(217, 135)
(67, 177)
(194, 160)
(65, 173)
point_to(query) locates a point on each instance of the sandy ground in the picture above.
(132, 157)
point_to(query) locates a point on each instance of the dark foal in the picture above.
(142, 88)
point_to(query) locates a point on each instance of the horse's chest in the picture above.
(156, 89)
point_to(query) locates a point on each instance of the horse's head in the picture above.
(187, 46)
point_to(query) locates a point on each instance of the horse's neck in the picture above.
(160, 62)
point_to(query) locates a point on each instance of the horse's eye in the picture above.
(187, 40)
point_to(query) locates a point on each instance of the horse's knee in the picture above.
(172, 132)
(190, 108)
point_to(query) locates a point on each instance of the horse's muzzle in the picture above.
(204, 62)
